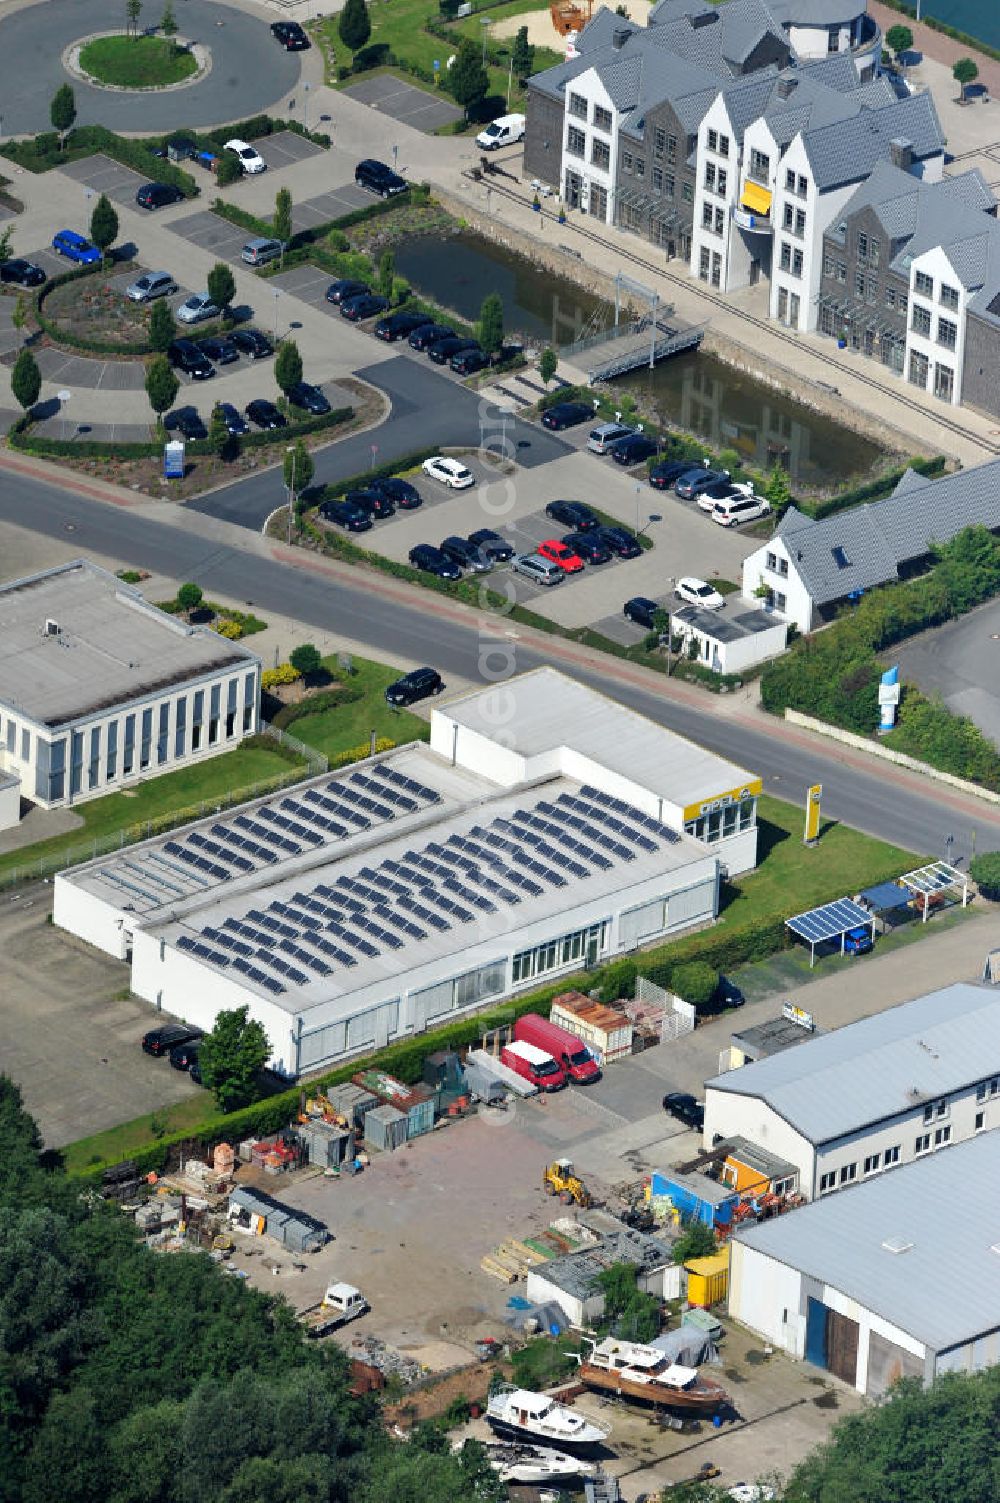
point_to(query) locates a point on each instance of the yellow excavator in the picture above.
(558, 1178)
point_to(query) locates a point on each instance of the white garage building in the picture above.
(898, 1278)
(895, 1087)
(98, 688)
(367, 905)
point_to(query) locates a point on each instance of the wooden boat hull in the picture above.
(705, 1397)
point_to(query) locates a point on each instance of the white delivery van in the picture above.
(503, 132)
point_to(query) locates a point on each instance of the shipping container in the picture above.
(385, 1128)
(708, 1279)
(606, 1031)
(351, 1102)
(695, 1197)
(327, 1145)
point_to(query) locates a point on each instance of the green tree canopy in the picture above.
(168, 22)
(298, 468)
(548, 364)
(778, 490)
(228, 169)
(696, 1241)
(190, 596)
(965, 72)
(6, 235)
(133, 9)
(162, 328)
(224, 443)
(491, 323)
(104, 225)
(984, 870)
(221, 285)
(305, 659)
(26, 380)
(161, 385)
(899, 38)
(386, 272)
(467, 78)
(282, 220)
(354, 27)
(696, 981)
(231, 1057)
(62, 110)
(522, 55)
(634, 1315)
(287, 365)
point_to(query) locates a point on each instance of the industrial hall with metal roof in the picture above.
(544, 828)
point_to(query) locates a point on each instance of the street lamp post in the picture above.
(510, 80)
(305, 104)
(290, 449)
(277, 294)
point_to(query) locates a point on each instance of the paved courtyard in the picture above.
(405, 102)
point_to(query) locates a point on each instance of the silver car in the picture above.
(150, 285)
(541, 570)
(198, 307)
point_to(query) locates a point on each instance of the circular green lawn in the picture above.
(137, 62)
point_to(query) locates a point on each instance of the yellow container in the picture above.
(708, 1279)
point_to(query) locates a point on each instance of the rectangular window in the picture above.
(626, 161)
(94, 765)
(180, 728)
(848, 1173)
(12, 737)
(128, 746)
(920, 321)
(947, 333)
(706, 216)
(786, 256)
(720, 221)
(789, 180)
(862, 246)
(111, 755)
(231, 695)
(859, 283)
(802, 186)
(687, 193)
(833, 40)
(923, 284)
(949, 297)
(602, 118)
(902, 300)
(214, 714)
(942, 1135)
(873, 1163)
(163, 734)
(578, 106)
(657, 179)
(197, 719)
(57, 769)
(146, 739)
(716, 269)
(669, 182)
(800, 223)
(723, 182)
(988, 1088)
(576, 142)
(704, 263)
(600, 154)
(772, 562)
(659, 143)
(797, 262)
(76, 762)
(710, 176)
(723, 146)
(874, 252)
(25, 744)
(841, 271)
(980, 1121)
(828, 266)
(788, 218)
(640, 166)
(890, 297)
(944, 383)
(713, 140)
(890, 1156)
(922, 1144)
(760, 167)
(919, 367)
(672, 149)
(827, 1182)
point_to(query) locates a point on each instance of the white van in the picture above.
(603, 437)
(736, 510)
(503, 132)
(259, 252)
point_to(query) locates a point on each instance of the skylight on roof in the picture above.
(840, 557)
(896, 1245)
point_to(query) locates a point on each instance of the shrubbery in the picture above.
(271, 678)
(985, 872)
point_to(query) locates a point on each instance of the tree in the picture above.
(26, 380)
(298, 468)
(965, 72)
(386, 272)
(221, 285)
(548, 364)
(228, 169)
(288, 365)
(491, 323)
(697, 982)
(104, 225)
(282, 221)
(634, 1315)
(224, 443)
(161, 385)
(900, 39)
(190, 596)
(354, 26)
(132, 12)
(468, 79)
(162, 328)
(777, 490)
(523, 55)
(984, 870)
(5, 239)
(696, 1241)
(62, 111)
(231, 1056)
(168, 25)
(305, 659)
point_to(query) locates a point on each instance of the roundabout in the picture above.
(241, 70)
(114, 61)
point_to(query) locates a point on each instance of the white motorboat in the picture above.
(516, 1462)
(518, 1414)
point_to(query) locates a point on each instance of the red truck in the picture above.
(568, 1051)
(533, 1064)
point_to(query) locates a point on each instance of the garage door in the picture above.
(832, 1341)
(887, 1363)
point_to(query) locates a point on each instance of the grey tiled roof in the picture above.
(818, 12)
(846, 151)
(747, 99)
(875, 540)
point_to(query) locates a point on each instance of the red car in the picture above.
(557, 553)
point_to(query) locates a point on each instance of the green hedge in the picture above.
(20, 437)
(416, 193)
(317, 704)
(872, 490)
(62, 336)
(41, 153)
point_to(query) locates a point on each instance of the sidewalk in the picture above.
(935, 44)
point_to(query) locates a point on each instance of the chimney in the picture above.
(52, 628)
(704, 18)
(619, 37)
(901, 153)
(787, 87)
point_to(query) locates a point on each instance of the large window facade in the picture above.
(582, 945)
(723, 821)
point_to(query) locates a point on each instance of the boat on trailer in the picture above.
(644, 1373)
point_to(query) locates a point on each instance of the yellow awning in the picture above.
(756, 198)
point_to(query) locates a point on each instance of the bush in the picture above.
(232, 630)
(696, 982)
(283, 674)
(985, 872)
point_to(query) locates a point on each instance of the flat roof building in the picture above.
(898, 1278)
(370, 904)
(99, 688)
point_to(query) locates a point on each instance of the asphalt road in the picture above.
(916, 819)
(428, 410)
(249, 73)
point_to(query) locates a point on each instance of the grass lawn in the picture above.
(345, 726)
(792, 877)
(184, 789)
(116, 1143)
(137, 62)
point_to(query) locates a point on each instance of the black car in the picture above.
(420, 684)
(252, 343)
(567, 415)
(632, 450)
(183, 1056)
(290, 35)
(432, 561)
(467, 362)
(728, 994)
(346, 515)
(620, 542)
(378, 178)
(218, 348)
(185, 356)
(346, 287)
(234, 420)
(372, 502)
(572, 514)
(187, 422)
(697, 479)
(160, 1041)
(364, 305)
(428, 334)
(401, 493)
(195, 1071)
(443, 351)
(308, 397)
(265, 414)
(684, 1107)
(663, 476)
(642, 611)
(157, 195)
(590, 546)
(466, 555)
(400, 325)
(22, 273)
(492, 544)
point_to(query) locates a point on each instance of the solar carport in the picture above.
(834, 921)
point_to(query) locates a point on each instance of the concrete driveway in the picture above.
(405, 102)
(961, 662)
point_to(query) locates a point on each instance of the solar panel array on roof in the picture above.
(830, 921)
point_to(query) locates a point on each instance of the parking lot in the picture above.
(405, 102)
(102, 175)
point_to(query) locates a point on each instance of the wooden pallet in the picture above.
(497, 1270)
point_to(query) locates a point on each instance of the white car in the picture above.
(726, 490)
(250, 158)
(198, 307)
(751, 1492)
(699, 592)
(449, 472)
(739, 509)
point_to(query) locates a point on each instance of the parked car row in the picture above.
(643, 611)
(439, 342)
(359, 509)
(726, 501)
(198, 358)
(179, 1043)
(262, 413)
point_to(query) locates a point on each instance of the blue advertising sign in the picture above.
(888, 698)
(173, 460)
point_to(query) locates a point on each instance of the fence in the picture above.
(678, 1016)
(316, 761)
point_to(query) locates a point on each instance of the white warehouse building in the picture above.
(98, 688)
(899, 1278)
(545, 828)
(848, 1105)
